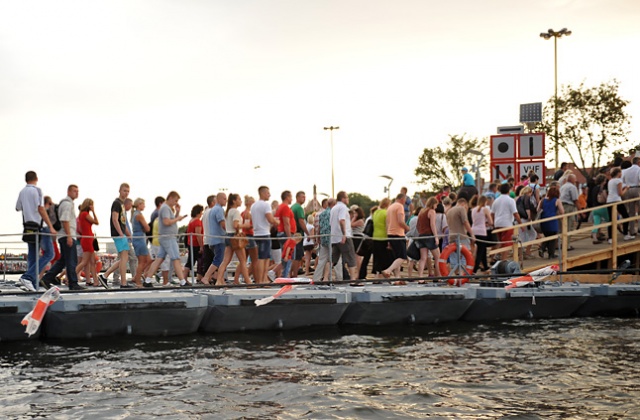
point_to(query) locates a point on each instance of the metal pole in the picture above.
(37, 259)
(333, 193)
(555, 107)
(191, 257)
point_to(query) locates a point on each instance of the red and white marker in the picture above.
(532, 277)
(289, 284)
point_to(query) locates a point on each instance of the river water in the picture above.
(568, 368)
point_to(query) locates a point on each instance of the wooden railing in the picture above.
(518, 246)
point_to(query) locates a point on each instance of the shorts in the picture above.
(398, 246)
(297, 256)
(346, 250)
(218, 254)
(252, 242)
(308, 247)
(276, 255)
(227, 240)
(140, 246)
(264, 247)
(382, 257)
(429, 242)
(506, 237)
(155, 250)
(122, 243)
(169, 248)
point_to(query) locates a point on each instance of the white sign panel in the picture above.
(502, 170)
(531, 146)
(537, 166)
(503, 147)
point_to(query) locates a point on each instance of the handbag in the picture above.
(368, 228)
(96, 246)
(239, 241)
(29, 232)
(413, 252)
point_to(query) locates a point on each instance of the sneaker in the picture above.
(629, 237)
(272, 275)
(76, 286)
(185, 284)
(56, 281)
(168, 285)
(26, 283)
(147, 284)
(44, 285)
(103, 281)
(175, 282)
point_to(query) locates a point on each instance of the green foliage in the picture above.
(363, 201)
(591, 122)
(441, 165)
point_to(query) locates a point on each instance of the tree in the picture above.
(591, 121)
(363, 201)
(441, 166)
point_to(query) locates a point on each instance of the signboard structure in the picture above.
(513, 155)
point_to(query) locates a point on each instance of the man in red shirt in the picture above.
(287, 225)
(446, 190)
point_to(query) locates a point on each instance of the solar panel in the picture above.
(531, 113)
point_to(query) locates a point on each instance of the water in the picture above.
(571, 368)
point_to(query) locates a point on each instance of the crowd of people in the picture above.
(272, 239)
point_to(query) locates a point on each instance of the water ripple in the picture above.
(574, 368)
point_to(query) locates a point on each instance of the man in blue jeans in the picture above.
(31, 204)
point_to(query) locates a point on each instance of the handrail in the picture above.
(563, 232)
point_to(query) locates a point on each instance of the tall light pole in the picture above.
(555, 35)
(333, 192)
(387, 189)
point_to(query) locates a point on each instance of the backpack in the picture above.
(522, 210)
(55, 220)
(533, 209)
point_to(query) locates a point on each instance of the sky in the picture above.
(203, 96)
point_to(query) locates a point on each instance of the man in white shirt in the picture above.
(262, 219)
(503, 211)
(631, 178)
(341, 242)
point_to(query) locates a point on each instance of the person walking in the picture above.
(31, 204)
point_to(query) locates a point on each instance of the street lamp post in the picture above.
(555, 35)
(387, 189)
(333, 192)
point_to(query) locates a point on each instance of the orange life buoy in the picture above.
(444, 268)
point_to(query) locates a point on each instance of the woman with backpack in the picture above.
(597, 197)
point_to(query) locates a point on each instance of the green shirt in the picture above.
(298, 213)
(380, 223)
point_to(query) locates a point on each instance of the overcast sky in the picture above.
(194, 95)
